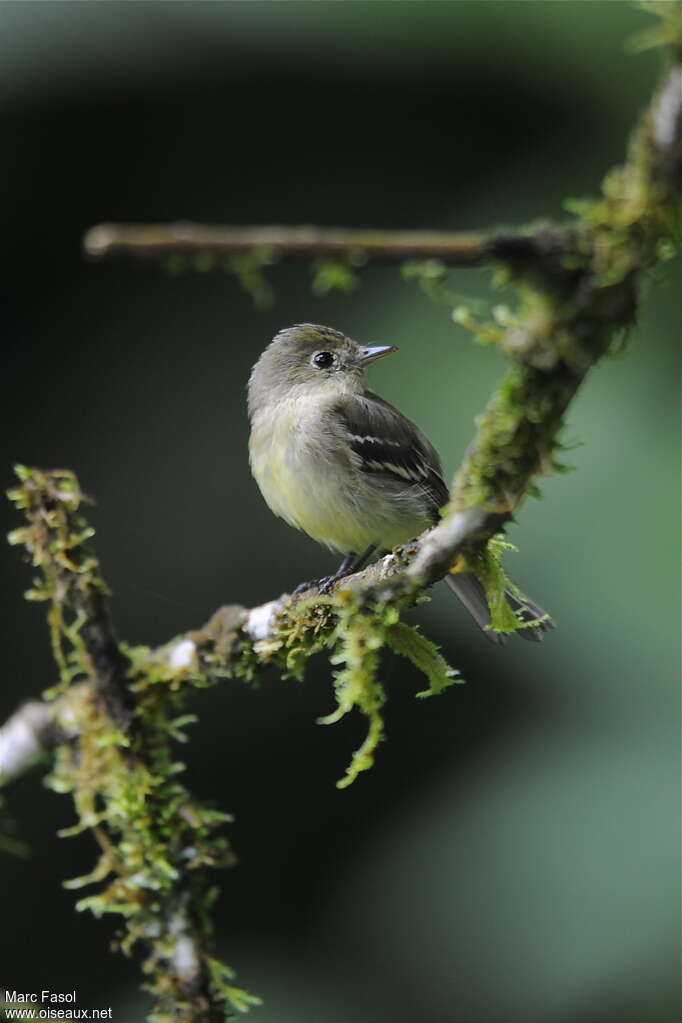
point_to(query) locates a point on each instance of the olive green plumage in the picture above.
(337, 461)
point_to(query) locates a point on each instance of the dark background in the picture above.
(513, 854)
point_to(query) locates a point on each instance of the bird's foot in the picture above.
(324, 585)
(351, 563)
(327, 584)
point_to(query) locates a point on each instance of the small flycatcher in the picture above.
(338, 462)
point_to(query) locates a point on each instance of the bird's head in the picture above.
(310, 357)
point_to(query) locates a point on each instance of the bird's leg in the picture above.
(351, 563)
(358, 562)
(346, 566)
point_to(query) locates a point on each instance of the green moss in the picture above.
(333, 275)
(571, 310)
(248, 268)
(433, 278)
(357, 641)
(409, 642)
(665, 33)
(360, 633)
(487, 564)
(157, 843)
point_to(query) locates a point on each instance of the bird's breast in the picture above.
(307, 476)
(295, 461)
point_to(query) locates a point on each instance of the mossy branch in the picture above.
(578, 286)
(114, 754)
(114, 714)
(55, 536)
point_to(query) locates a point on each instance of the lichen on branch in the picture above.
(116, 713)
(115, 729)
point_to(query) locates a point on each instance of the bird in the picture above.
(343, 465)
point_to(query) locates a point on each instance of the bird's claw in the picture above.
(326, 585)
(323, 585)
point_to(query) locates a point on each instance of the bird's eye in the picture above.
(323, 360)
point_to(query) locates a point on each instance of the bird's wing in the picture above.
(383, 440)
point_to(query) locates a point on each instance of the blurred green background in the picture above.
(513, 855)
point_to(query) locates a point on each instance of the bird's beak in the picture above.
(369, 354)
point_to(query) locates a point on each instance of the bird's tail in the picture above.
(470, 591)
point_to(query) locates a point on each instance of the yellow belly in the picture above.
(317, 489)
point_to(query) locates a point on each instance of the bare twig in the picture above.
(151, 241)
